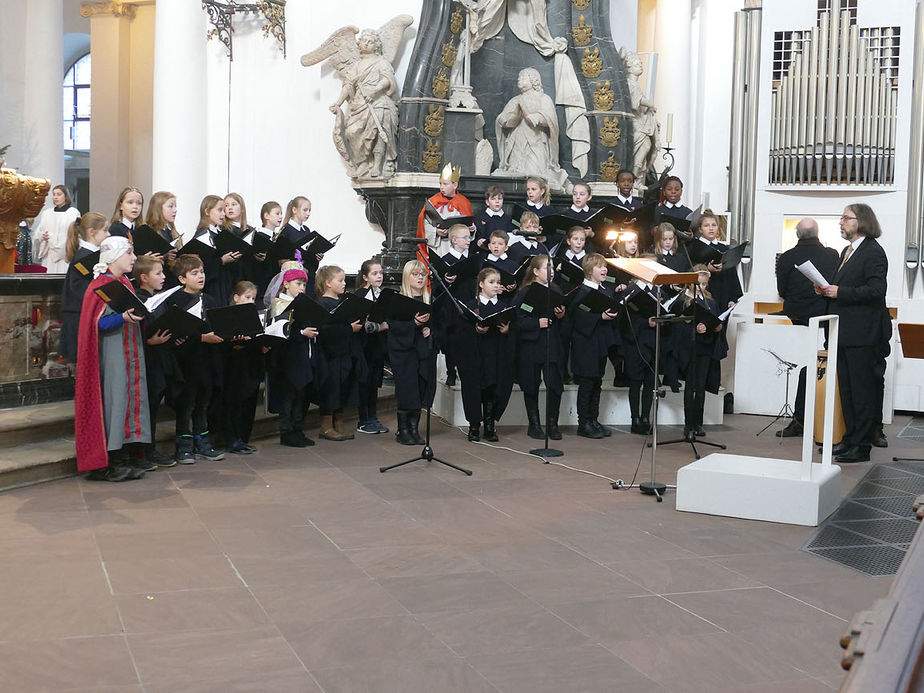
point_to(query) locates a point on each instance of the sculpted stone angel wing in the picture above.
(340, 47)
(390, 34)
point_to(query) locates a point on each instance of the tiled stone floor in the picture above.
(310, 571)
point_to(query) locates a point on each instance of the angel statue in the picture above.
(366, 134)
(647, 141)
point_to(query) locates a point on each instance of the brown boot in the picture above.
(340, 427)
(328, 432)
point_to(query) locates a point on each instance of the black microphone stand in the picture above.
(545, 451)
(427, 453)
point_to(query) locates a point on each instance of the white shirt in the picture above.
(371, 295)
(670, 205)
(458, 255)
(492, 213)
(627, 200)
(87, 245)
(575, 208)
(575, 256)
(591, 284)
(707, 241)
(485, 300)
(534, 205)
(494, 258)
(268, 232)
(855, 243)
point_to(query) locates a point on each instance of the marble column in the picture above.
(43, 75)
(110, 94)
(179, 160)
(672, 92)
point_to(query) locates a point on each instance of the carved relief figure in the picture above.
(647, 142)
(366, 133)
(527, 133)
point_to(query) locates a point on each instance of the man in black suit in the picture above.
(800, 302)
(857, 296)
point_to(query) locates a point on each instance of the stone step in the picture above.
(37, 442)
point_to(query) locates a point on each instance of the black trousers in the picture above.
(641, 390)
(694, 390)
(799, 406)
(369, 392)
(154, 400)
(239, 413)
(588, 398)
(192, 406)
(859, 381)
(293, 407)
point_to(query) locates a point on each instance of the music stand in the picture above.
(427, 453)
(911, 337)
(657, 275)
(545, 451)
(786, 412)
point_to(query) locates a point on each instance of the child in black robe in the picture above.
(492, 218)
(83, 239)
(375, 349)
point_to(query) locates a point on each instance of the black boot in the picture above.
(413, 423)
(490, 432)
(474, 428)
(534, 429)
(116, 470)
(644, 425)
(635, 428)
(403, 434)
(551, 417)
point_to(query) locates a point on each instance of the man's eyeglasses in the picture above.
(846, 218)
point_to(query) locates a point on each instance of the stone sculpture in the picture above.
(366, 133)
(527, 133)
(647, 140)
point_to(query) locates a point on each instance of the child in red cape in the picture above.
(449, 203)
(111, 403)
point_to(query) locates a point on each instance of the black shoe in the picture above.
(112, 473)
(413, 421)
(568, 379)
(239, 447)
(644, 423)
(294, 439)
(144, 464)
(792, 430)
(675, 387)
(184, 446)
(402, 434)
(601, 428)
(586, 429)
(855, 454)
(839, 449)
(699, 432)
(554, 432)
(490, 432)
(159, 458)
(620, 381)
(878, 439)
(203, 450)
(688, 434)
(473, 433)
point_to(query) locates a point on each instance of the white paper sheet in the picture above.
(811, 273)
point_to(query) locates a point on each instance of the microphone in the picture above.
(411, 239)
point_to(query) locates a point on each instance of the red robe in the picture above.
(89, 427)
(457, 202)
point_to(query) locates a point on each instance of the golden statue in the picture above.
(21, 197)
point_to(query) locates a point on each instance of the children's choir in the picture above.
(513, 304)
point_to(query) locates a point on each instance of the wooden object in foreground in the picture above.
(21, 197)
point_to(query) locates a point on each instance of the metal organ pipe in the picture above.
(914, 214)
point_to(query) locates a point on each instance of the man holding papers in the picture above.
(800, 302)
(856, 295)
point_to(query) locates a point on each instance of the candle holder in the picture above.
(669, 157)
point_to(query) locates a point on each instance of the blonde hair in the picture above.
(528, 218)
(702, 269)
(591, 262)
(155, 216)
(544, 185)
(621, 245)
(294, 202)
(409, 267)
(117, 214)
(324, 275)
(659, 232)
(459, 230)
(535, 264)
(209, 202)
(80, 228)
(240, 200)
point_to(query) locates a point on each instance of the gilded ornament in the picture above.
(433, 122)
(21, 197)
(448, 54)
(581, 4)
(432, 156)
(604, 97)
(581, 32)
(610, 132)
(609, 169)
(455, 21)
(440, 84)
(591, 63)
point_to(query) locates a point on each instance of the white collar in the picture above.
(236, 223)
(591, 284)
(214, 229)
(670, 205)
(575, 208)
(492, 213)
(624, 200)
(667, 252)
(707, 241)
(534, 205)
(268, 232)
(371, 294)
(575, 256)
(458, 255)
(130, 225)
(285, 297)
(494, 258)
(485, 301)
(88, 245)
(292, 224)
(857, 241)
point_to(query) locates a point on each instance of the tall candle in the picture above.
(670, 127)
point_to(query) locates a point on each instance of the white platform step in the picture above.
(759, 488)
(614, 405)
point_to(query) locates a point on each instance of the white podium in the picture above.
(800, 492)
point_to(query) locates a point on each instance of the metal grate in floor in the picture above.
(914, 430)
(872, 529)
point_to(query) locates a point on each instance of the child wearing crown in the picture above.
(449, 202)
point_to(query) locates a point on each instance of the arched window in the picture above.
(77, 106)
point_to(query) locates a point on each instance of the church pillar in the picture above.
(43, 75)
(179, 160)
(672, 92)
(110, 94)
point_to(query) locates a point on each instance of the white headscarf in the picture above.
(111, 249)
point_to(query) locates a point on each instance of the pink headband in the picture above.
(295, 274)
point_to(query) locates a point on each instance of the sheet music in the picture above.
(276, 329)
(811, 273)
(724, 316)
(154, 302)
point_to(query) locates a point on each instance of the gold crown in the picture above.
(291, 265)
(451, 173)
